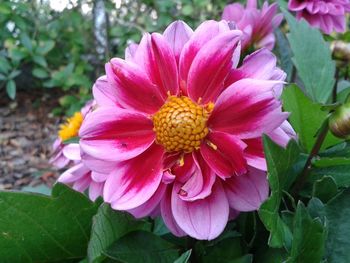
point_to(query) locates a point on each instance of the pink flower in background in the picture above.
(78, 175)
(180, 127)
(257, 25)
(327, 15)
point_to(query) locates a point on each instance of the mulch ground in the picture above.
(27, 131)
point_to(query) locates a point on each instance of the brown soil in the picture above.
(27, 131)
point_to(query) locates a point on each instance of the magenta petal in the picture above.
(203, 219)
(177, 34)
(227, 160)
(204, 33)
(147, 208)
(200, 184)
(254, 154)
(167, 214)
(113, 134)
(247, 192)
(134, 89)
(104, 93)
(247, 109)
(135, 181)
(210, 67)
(167, 66)
(72, 151)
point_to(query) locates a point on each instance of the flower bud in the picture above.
(339, 121)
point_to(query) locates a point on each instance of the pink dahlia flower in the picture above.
(257, 25)
(180, 127)
(79, 176)
(328, 15)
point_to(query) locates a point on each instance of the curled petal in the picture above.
(247, 192)
(72, 151)
(203, 219)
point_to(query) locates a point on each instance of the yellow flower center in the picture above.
(181, 124)
(70, 128)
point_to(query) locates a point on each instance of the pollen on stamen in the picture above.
(181, 124)
(70, 128)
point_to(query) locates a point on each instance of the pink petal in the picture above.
(177, 34)
(247, 192)
(204, 33)
(98, 166)
(211, 65)
(74, 174)
(254, 154)
(203, 219)
(130, 51)
(185, 171)
(104, 93)
(72, 151)
(82, 184)
(167, 66)
(247, 109)
(135, 90)
(95, 190)
(99, 177)
(233, 12)
(227, 159)
(200, 184)
(283, 134)
(147, 208)
(113, 134)
(135, 181)
(167, 214)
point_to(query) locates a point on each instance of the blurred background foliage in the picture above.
(62, 45)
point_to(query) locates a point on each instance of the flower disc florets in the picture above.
(181, 124)
(70, 129)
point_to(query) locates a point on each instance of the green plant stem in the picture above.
(302, 179)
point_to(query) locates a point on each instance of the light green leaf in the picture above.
(280, 163)
(312, 58)
(141, 246)
(11, 89)
(309, 237)
(14, 74)
(185, 257)
(40, 60)
(338, 242)
(45, 47)
(40, 73)
(108, 226)
(5, 65)
(26, 41)
(39, 228)
(306, 117)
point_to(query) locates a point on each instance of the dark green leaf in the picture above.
(44, 48)
(338, 241)
(72, 140)
(40, 73)
(285, 54)
(11, 89)
(340, 174)
(39, 228)
(306, 117)
(280, 163)
(185, 257)
(108, 226)
(325, 189)
(309, 237)
(312, 58)
(141, 246)
(14, 74)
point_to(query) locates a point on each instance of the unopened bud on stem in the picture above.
(339, 121)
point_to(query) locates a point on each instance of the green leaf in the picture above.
(325, 189)
(284, 52)
(17, 54)
(306, 117)
(39, 228)
(338, 241)
(108, 226)
(141, 246)
(26, 41)
(72, 140)
(185, 257)
(11, 89)
(40, 73)
(309, 237)
(339, 173)
(2, 77)
(312, 58)
(245, 259)
(45, 47)
(5, 8)
(40, 60)
(5, 65)
(280, 163)
(14, 74)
